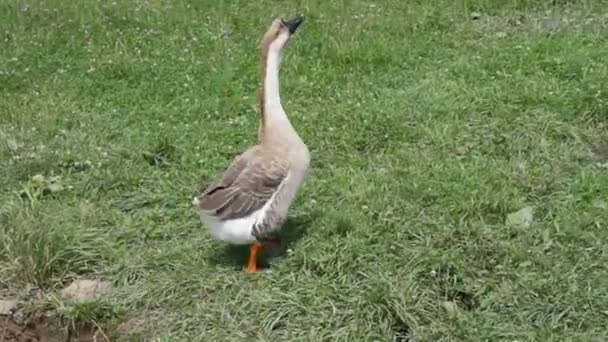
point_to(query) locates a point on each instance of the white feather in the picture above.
(236, 231)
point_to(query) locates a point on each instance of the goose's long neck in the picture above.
(272, 110)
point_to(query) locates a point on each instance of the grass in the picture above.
(429, 122)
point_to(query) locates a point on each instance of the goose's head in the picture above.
(279, 34)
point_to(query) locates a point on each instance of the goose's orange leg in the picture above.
(252, 265)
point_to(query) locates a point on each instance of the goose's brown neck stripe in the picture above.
(264, 62)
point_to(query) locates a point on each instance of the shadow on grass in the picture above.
(294, 229)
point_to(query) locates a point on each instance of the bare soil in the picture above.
(44, 330)
(15, 328)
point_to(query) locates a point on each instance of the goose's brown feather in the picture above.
(247, 184)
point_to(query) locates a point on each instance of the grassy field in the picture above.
(429, 124)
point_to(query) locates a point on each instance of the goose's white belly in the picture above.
(237, 231)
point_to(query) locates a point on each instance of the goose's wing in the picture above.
(245, 186)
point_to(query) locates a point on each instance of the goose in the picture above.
(248, 204)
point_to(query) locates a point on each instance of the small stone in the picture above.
(522, 218)
(55, 187)
(475, 15)
(451, 307)
(525, 264)
(8, 306)
(84, 290)
(38, 178)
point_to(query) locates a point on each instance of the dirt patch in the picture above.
(18, 326)
(11, 331)
(44, 330)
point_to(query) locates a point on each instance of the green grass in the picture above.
(426, 128)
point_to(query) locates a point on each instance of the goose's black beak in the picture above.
(293, 24)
